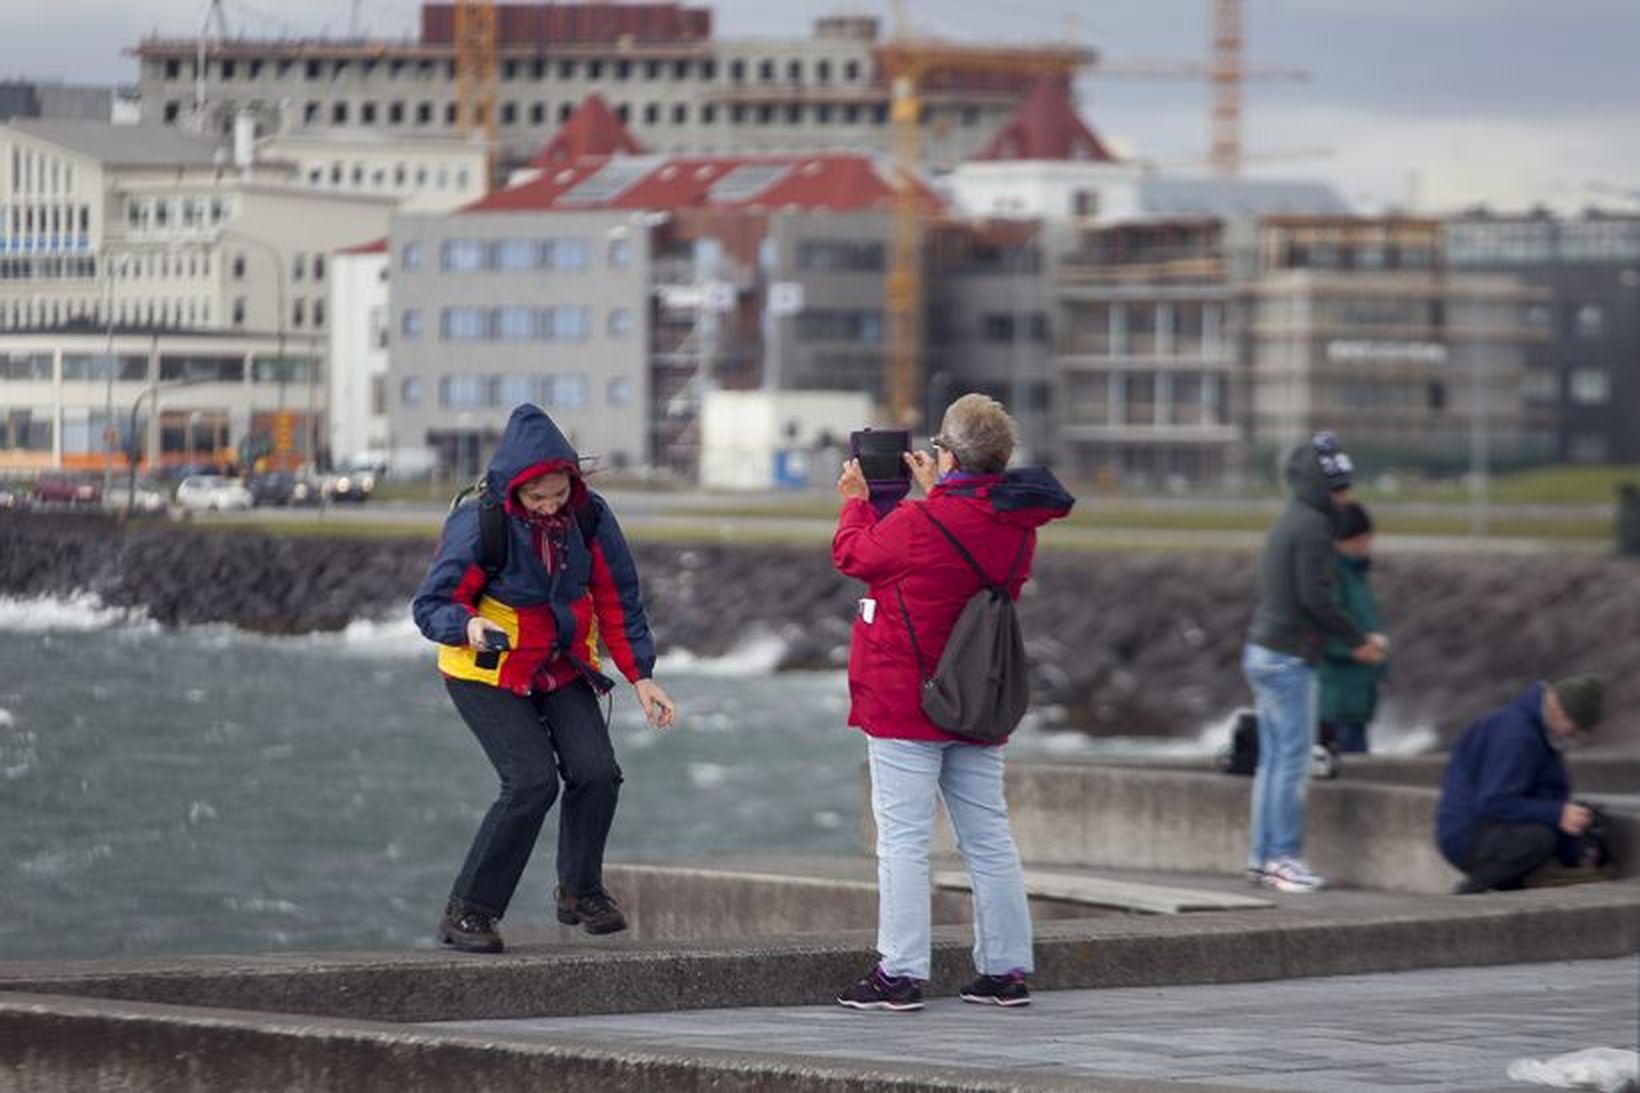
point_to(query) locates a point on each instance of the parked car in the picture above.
(212, 493)
(65, 489)
(283, 488)
(149, 498)
(350, 486)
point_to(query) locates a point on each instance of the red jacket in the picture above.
(904, 555)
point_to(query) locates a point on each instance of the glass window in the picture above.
(568, 254)
(569, 390)
(620, 253)
(513, 254)
(410, 322)
(458, 324)
(1589, 321)
(465, 255)
(514, 390)
(620, 322)
(1541, 385)
(567, 323)
(1590, 386)
(410, 256)
(515, 323)
(26, 366)
(619, 391)
(460, 391)
(410, 391)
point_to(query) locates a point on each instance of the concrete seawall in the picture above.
(1359, 833)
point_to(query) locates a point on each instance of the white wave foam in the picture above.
(758, 653)
(79, 612)
(388, 638)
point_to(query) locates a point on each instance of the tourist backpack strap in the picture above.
(1013, 570)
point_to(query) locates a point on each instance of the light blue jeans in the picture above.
(1284, 692)
(906, 778)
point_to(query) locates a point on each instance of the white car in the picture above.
(148, 499)
(212, 493)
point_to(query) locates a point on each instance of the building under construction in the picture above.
(669, 79)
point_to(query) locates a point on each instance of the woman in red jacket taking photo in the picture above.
(919, 584)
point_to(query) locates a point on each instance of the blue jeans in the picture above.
(906, 777)
(1284, 693)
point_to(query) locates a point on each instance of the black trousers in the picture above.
(1502, 856)
(533, 741)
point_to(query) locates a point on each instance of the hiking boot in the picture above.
(468, 928)
(998, 990)
(596, 913)
(883, 992)
(1291, 875)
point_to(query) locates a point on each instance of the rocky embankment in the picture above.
(1124, 643)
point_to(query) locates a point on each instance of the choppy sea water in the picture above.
(208, 790)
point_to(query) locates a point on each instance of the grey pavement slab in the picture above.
(1448, 1029)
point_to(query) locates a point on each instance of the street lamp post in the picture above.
(131, 456)
(278, 261)
(109, 432)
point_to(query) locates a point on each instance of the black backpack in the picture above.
(981, 687)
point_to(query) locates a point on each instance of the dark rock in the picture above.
(1141, 643)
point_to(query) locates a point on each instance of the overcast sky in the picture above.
(1443, 102)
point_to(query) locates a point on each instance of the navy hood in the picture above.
(532, 445)
(1030, 496)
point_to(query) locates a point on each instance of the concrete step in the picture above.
(1093, 891)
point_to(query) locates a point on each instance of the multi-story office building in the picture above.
(669, 276)
(44, 99)
(139, 233)
(1358, 325)
(1582, 378)
(494, 307)
(1196, 349)
(679, 88)
(419, 174)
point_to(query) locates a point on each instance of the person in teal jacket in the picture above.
(1349, 688)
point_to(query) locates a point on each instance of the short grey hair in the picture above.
(979, 433)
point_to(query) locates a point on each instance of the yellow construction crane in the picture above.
(908, 63)
(477, 49)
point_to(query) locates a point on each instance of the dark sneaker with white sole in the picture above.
(468, 928)
(596, 913)
(998, 990)
(883, 992)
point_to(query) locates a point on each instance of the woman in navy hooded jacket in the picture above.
(519, 655)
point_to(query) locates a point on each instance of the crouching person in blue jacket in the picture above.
(1506, 806)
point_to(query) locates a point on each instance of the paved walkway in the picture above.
(1449, 1029)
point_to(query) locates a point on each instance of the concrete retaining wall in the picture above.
(672, 904)
(1359, 834)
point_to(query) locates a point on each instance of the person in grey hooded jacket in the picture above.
(1296, 613)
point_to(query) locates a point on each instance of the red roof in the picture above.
(593, 130)
(1046, 126)
(833, 181)
(378, 246)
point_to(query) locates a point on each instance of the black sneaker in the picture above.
(881, 992)
(468, 928)
(998, 990)
(596, 914)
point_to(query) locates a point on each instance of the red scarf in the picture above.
(549, 536)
